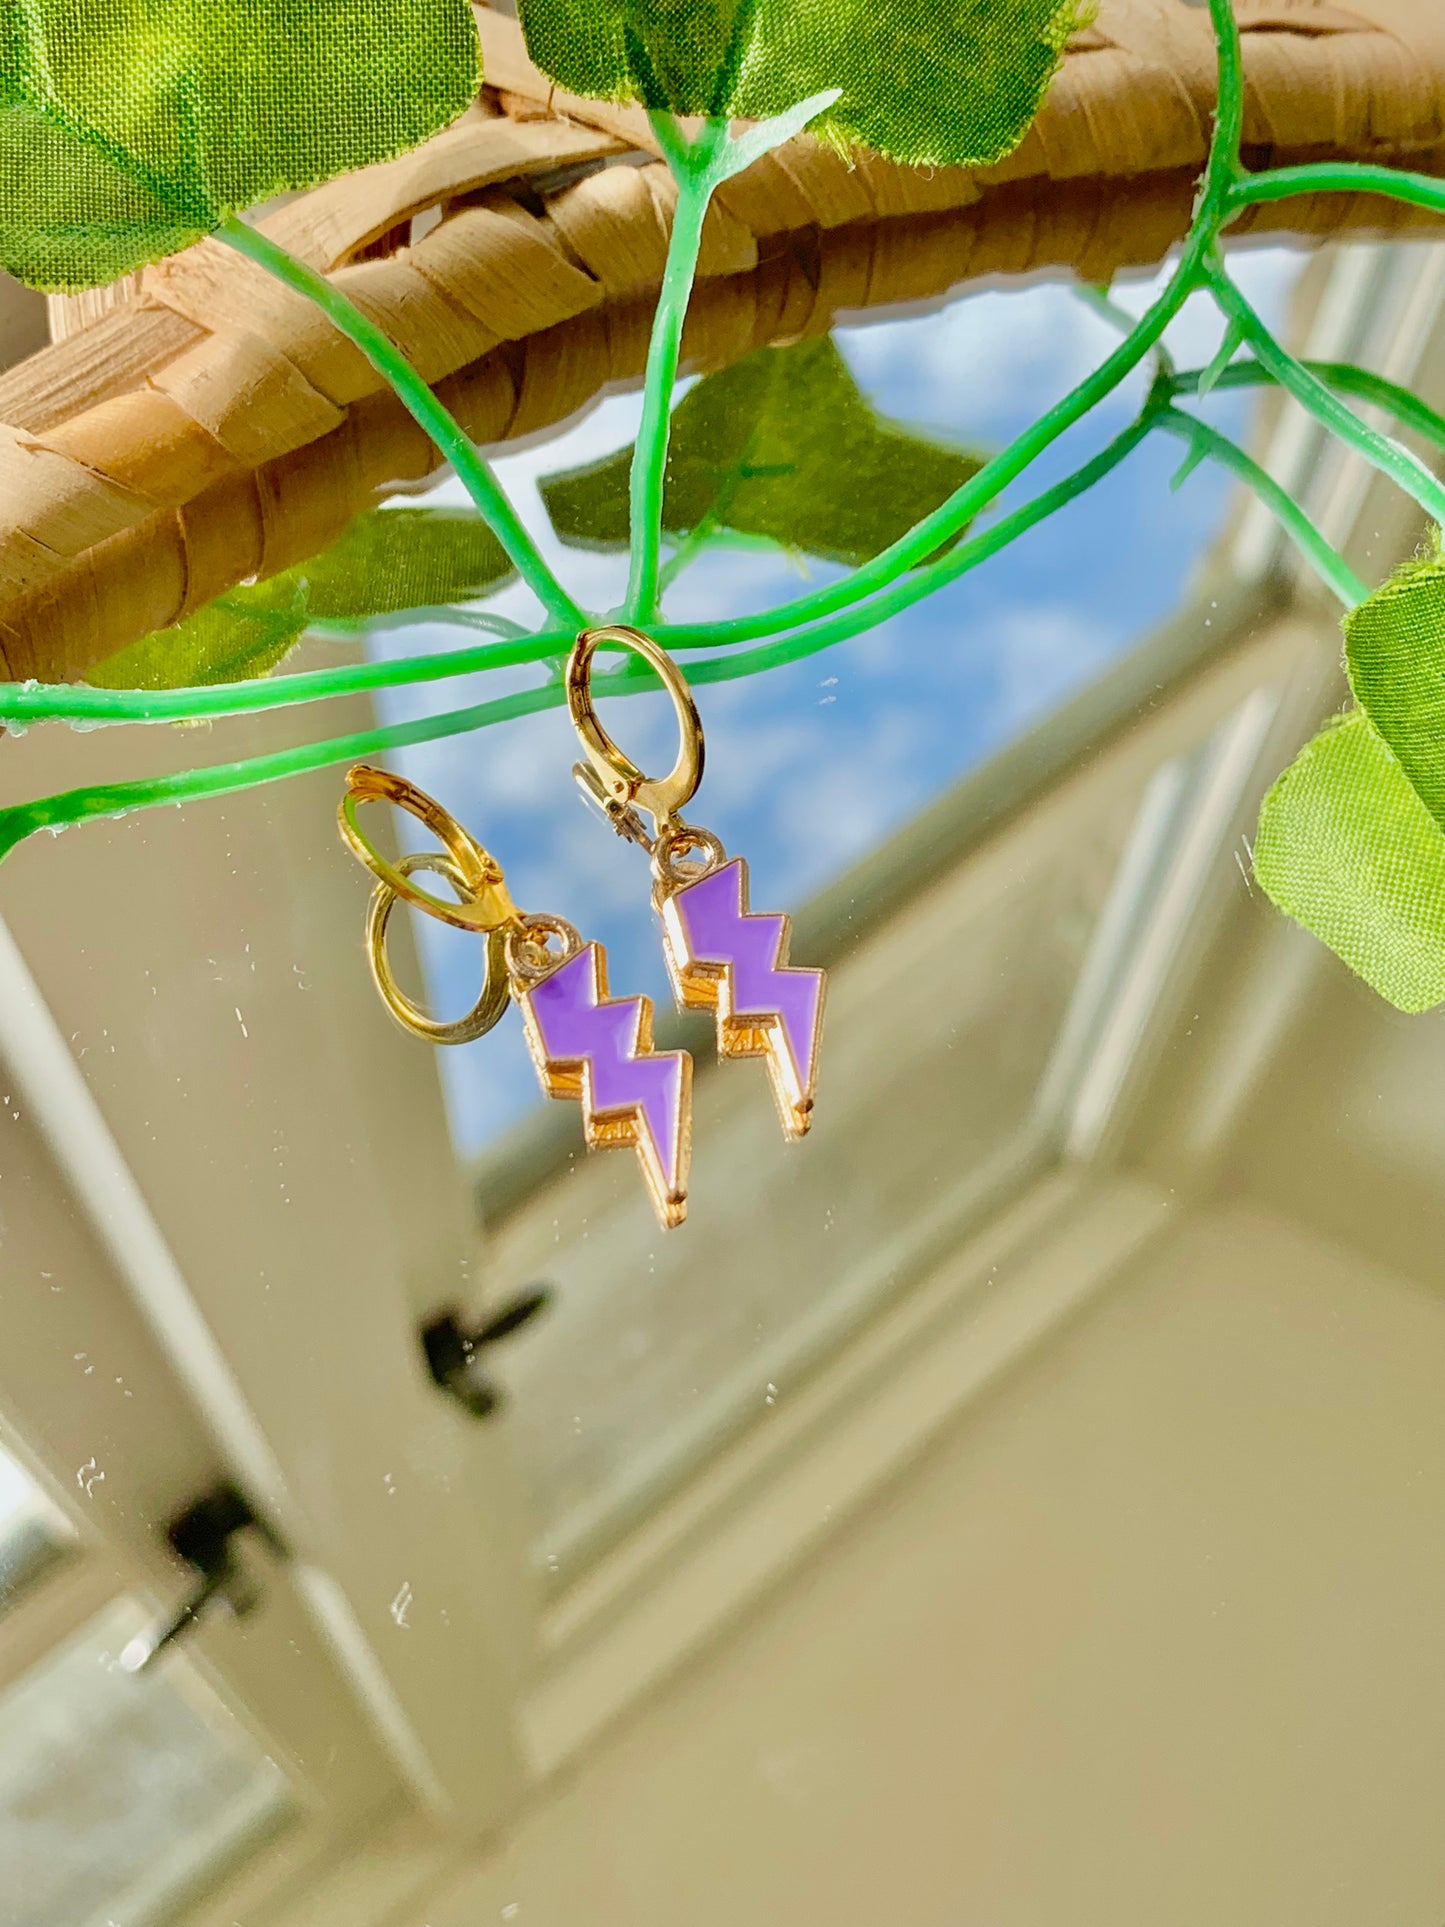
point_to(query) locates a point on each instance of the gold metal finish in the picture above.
(484, 902)
(632, 1095)
(675, 862)
(722, 956)
(529, 957)
(612, 778)
(663, 1158)
(705, 977)
(496, 991)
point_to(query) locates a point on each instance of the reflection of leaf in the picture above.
(783, 444)
(388, 560)
(1346, 847)
(404, 558)
(934, 81)
(234, 639)
(1395, 648)
(129, 128)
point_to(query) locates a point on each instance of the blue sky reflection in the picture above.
(916, 703)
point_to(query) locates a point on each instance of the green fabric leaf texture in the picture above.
(236, 638)
(388, 561)
(933, 82)
(130, 128)
(1395, 652)
(782, 445)
(1346, 847)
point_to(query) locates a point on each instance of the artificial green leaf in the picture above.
(1395, 649)
(130, 128)
(956, 81)
(236, 638)
(404, 558)
(1346, 847)
(783, 445)
(388, 561)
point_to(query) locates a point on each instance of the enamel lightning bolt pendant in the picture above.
(724, 957)
(598, 1049)
(586, 1045)
(721, 955)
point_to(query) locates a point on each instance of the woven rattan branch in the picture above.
(215, 427)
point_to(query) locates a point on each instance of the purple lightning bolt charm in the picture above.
(598, 1049)
(721, 956)
(585, 1044)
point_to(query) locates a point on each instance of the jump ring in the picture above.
(527, 956)
(670, 867)
(492, 1002)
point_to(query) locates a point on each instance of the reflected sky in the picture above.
(811, 765)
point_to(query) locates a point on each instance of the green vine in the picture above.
(936, 549)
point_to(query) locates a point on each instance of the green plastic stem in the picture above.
(1204, 439)
(27, 703)
(1344, 377)
(969, 554)
(693, 166)
(1388, 456)
(996, 474)
(118, 799)
(1339, 177)
(73, 806)
(438, 422)
(899, 576)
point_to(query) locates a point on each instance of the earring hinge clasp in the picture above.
(609, 778)
(483, 902)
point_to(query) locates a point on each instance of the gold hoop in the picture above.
(613, 778)
(484, 902)
(496, 990)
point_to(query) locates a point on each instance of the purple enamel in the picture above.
(723, 933)
(577, 1026)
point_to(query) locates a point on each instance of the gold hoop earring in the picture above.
(721, 955)
(586, 1044)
